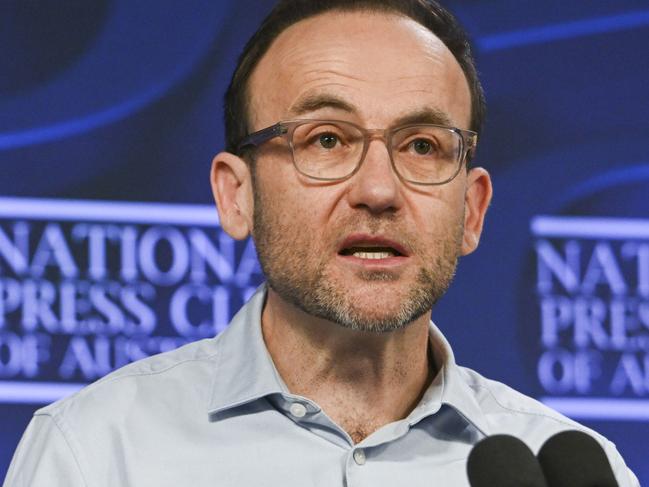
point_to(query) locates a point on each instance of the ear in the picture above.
(232, 189)
(476, 201)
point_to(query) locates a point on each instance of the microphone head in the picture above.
(504, 461)
(575, 459)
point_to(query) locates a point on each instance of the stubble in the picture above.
(287, 257)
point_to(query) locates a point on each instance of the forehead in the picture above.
(383, 65)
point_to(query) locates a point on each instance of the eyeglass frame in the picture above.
(286, 128)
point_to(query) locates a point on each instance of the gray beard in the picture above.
(317, 294)
(325, 301)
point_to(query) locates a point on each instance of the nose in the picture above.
(375, 186)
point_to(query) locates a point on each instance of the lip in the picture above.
(362, 239)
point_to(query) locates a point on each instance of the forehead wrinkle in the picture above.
(321, 80)
(416, 77)
(323, 73)
(332, 54)
(315, 70)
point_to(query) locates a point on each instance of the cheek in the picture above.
(436, 208)
(299, 199)
(299, 213)
(311, 213)
(437, 219)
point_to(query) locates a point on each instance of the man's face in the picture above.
(375, 70)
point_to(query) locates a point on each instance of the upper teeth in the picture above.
(372, 255)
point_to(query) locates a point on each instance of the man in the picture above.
(351, 126)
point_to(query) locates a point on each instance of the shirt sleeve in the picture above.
(623, 474)
(44, 458)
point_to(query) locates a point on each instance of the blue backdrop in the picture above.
(115, 101)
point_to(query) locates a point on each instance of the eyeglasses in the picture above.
(333, 150)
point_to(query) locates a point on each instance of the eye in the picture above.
(328, 140)
(422, 147)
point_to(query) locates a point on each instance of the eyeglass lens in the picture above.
(421, 153)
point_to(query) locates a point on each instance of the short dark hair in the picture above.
(428, 13)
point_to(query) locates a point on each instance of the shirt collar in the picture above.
(458, 392)
(245, 371)
(450, 387)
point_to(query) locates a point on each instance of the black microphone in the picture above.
(504, 461)
(575, 459)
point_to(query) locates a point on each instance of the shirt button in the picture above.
(359, 456)
(298, 410)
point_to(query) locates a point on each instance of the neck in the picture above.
(362, 380)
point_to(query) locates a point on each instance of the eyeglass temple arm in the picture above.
(471, 143)
(257, 138)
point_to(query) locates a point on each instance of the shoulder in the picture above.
(101, 430)
(187, 371)
(506, 407)
(508, 411)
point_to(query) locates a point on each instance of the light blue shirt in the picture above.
(216, 413)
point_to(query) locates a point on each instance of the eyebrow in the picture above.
(313, 103)
(317, 102)
(426, 115)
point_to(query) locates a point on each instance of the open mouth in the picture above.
(371, 247)
(363, 252)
